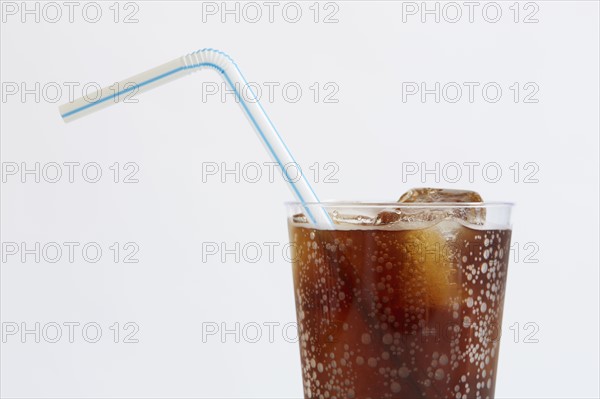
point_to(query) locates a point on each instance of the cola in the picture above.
(390, 306)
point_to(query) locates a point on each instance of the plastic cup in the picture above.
(408, 308)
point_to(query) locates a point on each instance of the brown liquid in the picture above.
(399, 313)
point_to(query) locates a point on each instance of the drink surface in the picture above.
(386, 313)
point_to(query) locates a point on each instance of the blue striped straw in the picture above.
(260, 121)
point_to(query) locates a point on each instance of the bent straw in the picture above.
(221, 62)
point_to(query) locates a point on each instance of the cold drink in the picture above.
(400, 308)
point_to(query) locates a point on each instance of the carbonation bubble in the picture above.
(366, 338)
(439, 374)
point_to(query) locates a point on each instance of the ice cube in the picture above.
(473, 215)
(439, 195)
(351, 219)
(409, 217)
(387, 217)
(299, 218)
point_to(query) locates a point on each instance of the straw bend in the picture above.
(165, 73)
(221, 62)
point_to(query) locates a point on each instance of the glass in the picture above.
(400, 300)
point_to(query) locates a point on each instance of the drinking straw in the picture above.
(222, 63)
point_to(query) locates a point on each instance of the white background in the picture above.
(171, 133)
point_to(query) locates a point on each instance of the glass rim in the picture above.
(387, 205)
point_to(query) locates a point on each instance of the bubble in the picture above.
(484, 267)
(366, 338)
(443, 360)
(395, 387)
(469, 302)
(372, 362)
(388, 339)
(403, 372)
(360, 360)
(320, 367)
(439, 374)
